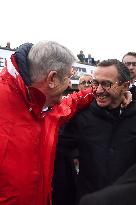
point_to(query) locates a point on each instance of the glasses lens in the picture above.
(104, 84)
(83, 83)
(95, 83)
(130, 63)
(127, 63)
(89, 82)
(134, 63)
(86, 82)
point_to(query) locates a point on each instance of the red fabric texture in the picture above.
(28, 140)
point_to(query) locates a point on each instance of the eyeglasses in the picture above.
(130, 63)
(104, 84)
(86, 82)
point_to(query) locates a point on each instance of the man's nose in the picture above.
(99, 89)
(70, 84)
(86, 84)
(131, 67)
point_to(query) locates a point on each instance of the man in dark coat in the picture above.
(104, 133)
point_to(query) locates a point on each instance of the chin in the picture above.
(102, 104)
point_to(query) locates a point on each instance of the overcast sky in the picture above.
(104, 28)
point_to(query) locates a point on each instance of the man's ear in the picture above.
(52, 79)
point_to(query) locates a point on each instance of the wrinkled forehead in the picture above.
(108, 73)
(129, 58)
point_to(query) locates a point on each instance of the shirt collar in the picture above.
(131, 85)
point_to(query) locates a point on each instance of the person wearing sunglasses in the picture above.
(104, 133)
(129, 60)
(85, 81)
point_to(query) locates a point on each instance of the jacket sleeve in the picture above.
(73, 103)
(128, 177)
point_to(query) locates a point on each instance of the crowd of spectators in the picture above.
(8, 47)
(88, 61)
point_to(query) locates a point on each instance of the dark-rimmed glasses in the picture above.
(130, 63)
(104, 84)
(86, 82)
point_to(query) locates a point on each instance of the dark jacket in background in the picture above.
(107, 145)
(64, 179)
(122, 192)
(133, 91)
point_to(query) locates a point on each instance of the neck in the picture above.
(115, 105)
(112, 108)
(43, 90)
(40, 87)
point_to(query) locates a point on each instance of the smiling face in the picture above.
(108, 91)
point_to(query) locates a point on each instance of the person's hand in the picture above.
(127, 98)
(76, 164)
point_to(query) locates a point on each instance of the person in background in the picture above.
(90, 60)
(130, 61)
(85, 81)
(32, 110)
(81, 57)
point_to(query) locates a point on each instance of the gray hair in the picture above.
(85, 75)
(47, 56)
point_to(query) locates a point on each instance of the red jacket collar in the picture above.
(34, 98)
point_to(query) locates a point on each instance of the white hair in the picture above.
(47, 56)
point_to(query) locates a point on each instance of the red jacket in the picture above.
(28, 140)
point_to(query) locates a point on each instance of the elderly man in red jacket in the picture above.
(31, 112)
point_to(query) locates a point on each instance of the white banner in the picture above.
(79, 70)
(4, 56)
